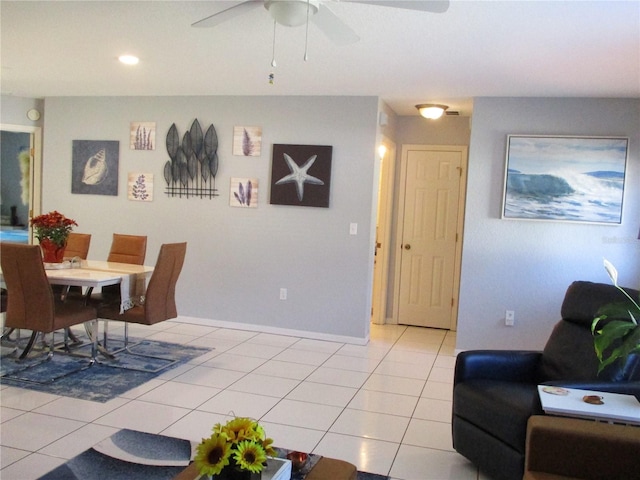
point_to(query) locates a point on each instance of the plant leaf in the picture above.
(249, 193)
(187, 146)
(213, 164)
(192, 165)
(196, 137)
(173, 142)
(167, 172)
(210, 142)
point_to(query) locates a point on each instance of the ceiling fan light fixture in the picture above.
(432, 111)
(291, 13)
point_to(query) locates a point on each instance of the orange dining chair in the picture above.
(128, 249)
(160, 297)
(77, 245)
(31, 304)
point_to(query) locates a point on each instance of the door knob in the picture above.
(407, 246)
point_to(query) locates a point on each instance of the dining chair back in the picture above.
(160, 296)
(128, 249)
(30, 301)
(77, 245)
(159, 303)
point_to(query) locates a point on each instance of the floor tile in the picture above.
(142, 389)
(143, 416)
(272, 339)
(413, 357)
(255, 350)
(195, 426)
(179, 394)
(239, 404)
(432, 409)
(373, 456)
(364, 351)
(429, 434)
(78, 441)
(391, 384)
(82, 410)
(24, 399)
(31, 467)
(277, 368)
(209, 377)
(311, 345)
(303, 414)
(323, 394)
(378, 426)
(359, 364)
(335, 376)
(417, 463)
(166, 336)
(9, 413)
(383, 402)
(261, 385)
(400, 369)
(303, 356)
(293, 438)
(9, 455)
(232, 361)
(190, 329)
(438, 390)
(443, 375)
(33, 431)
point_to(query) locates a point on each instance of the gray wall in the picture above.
(527, 266)
(237, 259)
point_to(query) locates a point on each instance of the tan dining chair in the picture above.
(77, 245)
(128, 249)
(160, 297)
(31, 304)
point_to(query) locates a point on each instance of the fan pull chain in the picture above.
(306, 34)
(273, 56)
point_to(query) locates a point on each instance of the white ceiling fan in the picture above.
(293, 13)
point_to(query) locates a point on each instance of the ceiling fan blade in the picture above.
(433, 6)
(233, 10)
(338, 32)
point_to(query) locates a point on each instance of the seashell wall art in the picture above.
(94, 168)
(193, 162)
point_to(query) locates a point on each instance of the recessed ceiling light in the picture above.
(129, 59)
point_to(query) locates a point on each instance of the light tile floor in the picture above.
(385, 407)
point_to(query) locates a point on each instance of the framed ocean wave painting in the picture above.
(562, 178)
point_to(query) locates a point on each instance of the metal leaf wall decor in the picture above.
(193, 162)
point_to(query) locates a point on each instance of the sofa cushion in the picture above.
(501, 408)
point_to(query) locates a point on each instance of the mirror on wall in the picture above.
(20, 181)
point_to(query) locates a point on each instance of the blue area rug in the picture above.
(101, 382)
(128, 454)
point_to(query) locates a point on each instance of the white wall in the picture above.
(237, 259)
(527, 266)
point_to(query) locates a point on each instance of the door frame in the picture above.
(35, 175)
(383, 219)
(464, 150)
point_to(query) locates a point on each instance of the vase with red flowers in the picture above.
(52, 230)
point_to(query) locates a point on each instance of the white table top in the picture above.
(95, 273)
(617, 407)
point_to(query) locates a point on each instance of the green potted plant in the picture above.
(619, 337)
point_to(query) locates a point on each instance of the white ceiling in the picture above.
(479, 48)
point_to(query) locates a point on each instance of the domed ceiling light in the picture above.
(291, 13)
(431, 110)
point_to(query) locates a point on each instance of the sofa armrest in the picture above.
(584, 449)
(506, 365)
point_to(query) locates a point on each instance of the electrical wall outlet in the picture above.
(509, 318)
(283, 294)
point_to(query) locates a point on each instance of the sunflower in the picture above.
(250, 456)
(239, 429)
(213, 455)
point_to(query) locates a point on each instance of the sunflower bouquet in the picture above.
(240, 444)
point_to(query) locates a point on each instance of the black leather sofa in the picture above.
(495, 391)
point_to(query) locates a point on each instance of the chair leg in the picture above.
(29, 346)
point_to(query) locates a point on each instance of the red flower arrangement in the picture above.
(52, 226)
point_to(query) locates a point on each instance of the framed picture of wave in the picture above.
(569, 179)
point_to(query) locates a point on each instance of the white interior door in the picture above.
(430, 223)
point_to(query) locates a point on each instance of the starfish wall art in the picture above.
(301, 175)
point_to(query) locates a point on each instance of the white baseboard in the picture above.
(274, 330)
